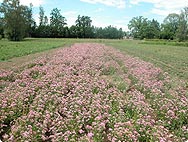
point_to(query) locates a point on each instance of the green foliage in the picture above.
(109, 71)
(172, 59)
(17, 19)
(1, 28)
(170, 26)
(135, 26)
(17, 23)
(56, 28)
(73, 33)
(84, 28)
(109, 32)
(174, 26)
(10, 78)
(41, 16)
(141, 28)
(24, 25)
(182, 32)
(57, 22)
(150, 30)
(42, 31)
(130, 113)
(167, 32)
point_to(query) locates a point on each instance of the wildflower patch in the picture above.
(91, 92)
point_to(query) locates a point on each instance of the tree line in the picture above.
(174, 26)
(16, 23)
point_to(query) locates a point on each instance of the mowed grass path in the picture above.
(172, 59)
(10, 49)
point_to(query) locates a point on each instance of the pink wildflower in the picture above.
(90, 135)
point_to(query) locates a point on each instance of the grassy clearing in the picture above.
(172, 59)
(165, 42)
(10, 49)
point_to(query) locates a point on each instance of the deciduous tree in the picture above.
(17, 19)
(182, 31)
(1, 27)
(41, 16)
(141, 28)
(170, 26)
(57, 23)
(84, 28)
(137, 25)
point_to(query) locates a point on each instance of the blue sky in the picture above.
(109, 12)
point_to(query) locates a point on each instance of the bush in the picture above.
(1, 37)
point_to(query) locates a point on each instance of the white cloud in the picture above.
(114, 3)
(35, 3)
(164, 7)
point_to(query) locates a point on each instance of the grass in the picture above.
(165, 42)
(171, 58)
(10, 49)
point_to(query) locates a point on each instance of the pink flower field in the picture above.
(92, 93)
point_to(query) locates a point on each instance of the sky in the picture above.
(103, 13)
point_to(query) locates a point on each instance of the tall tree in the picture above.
(16, 18)
(73, 32)
(141, 28)
(170, 26)
(111, 32)
(182, 32)
(45, 20)
(57, 23)
(151, 29)
(83, 24)
(98, 32)
(56, 19)
(136, 26)
(29, 20)
(108, 32)
(43, 30)
(1, 27)
(41, 16)
(172, 19)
